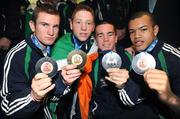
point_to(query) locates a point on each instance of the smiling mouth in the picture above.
(106, 46)
(139, 43)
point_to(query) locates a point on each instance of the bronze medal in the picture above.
(78, 58)
(46, 65)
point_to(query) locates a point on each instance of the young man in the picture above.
(160, 87)
(106, 36)
(114, 89)
(82, 26)
(25, 91)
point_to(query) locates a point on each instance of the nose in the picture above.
(83, 26)
(136, 33)
(106, 38)
(51, 31)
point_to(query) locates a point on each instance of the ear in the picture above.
(32, 25)
(93, 27)
(70, 22)
(116, 39)
(156, 30)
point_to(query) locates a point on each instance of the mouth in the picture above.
(138, 43)
(50, 37)
(83, 34)
(106, 45)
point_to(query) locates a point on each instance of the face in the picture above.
(46, 28)
(106, 37)
(142, 32)
(82, 25)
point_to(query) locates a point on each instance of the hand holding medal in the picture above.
(112, 62)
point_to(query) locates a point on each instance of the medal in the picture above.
(111, 60)
(142, 62)
(77, 57)
(46, 65)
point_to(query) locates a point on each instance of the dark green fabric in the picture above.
(28, 16)
(62, 47)
(130, 58)
(27, 60)
(162, 61)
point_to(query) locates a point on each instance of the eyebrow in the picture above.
(140, 27)
(89, 20)
(101, 33)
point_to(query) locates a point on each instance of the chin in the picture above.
(50, 43)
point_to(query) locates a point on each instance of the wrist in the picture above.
(66, 83)
(34, 98)
(173, 100)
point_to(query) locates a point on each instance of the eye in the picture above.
(89, 23)
(44, 24)
(78, 22)
(143, 29)
(100, 35)
(110, 33)
(56, 27)
(131, 31)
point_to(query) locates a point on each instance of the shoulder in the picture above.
(170, 51)
(171, 57)
(17, 51)
(15, 57)
(63, 41)
(64, 38)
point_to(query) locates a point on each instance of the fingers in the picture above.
(69, 66)
(155, 76)
(69, 69)
(39, 76)
(48, 89)
(118, 76)
(41, 85)
(157, 80)
(70, 74)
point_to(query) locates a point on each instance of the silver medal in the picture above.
(77, 57)
(111, 60)
(142, 62)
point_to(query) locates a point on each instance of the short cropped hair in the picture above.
(47, 8)
(82, 7)
(106, 22)
(142, 13)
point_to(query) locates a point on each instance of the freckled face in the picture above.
(82, 25)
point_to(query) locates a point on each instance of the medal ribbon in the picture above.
(152, 45)
(45, 51)
(77, 45)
